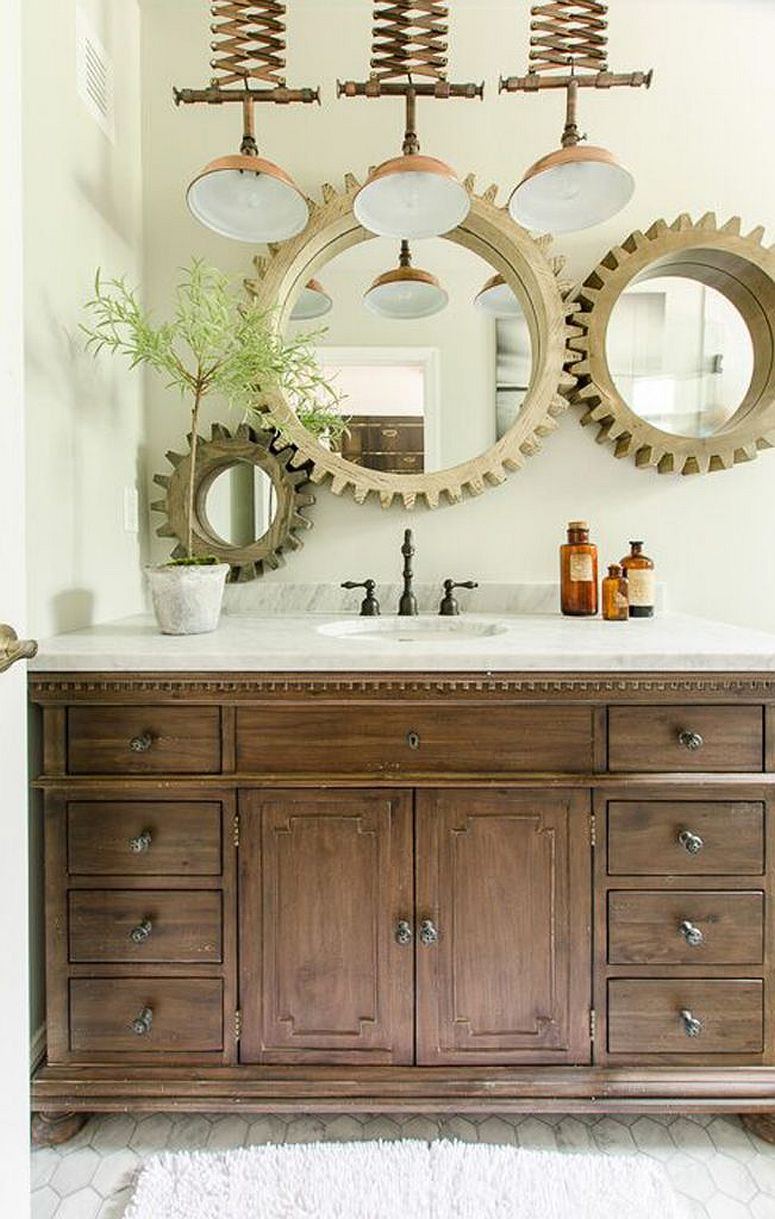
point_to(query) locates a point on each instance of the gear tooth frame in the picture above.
(263, 449)
(524, 262)
(716, 255)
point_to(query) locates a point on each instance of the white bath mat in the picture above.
(401, 1180)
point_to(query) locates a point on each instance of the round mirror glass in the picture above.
(431, 359)
(241, 504)
(679, 353)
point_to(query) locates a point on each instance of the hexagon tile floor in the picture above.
(720, 1171)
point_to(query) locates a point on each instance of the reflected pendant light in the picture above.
(313, 301)
(498, 299)
(242, 195)
(406, 292)
(574, 187)
(411, 195)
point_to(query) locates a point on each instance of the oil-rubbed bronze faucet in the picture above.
(407, 606)
(449, 604)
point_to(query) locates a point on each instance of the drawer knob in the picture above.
(142, 1022)
(691, 843)
(691, 1025)
(690, 740)
(141, 743)
(428, 932)
(413, 740)
(141, 843)
(691, 934)
(404, 933)
(140, 933)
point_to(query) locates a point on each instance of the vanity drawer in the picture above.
(726, 738)
(415, 738)
(645, 1016)
(686, 837)
(693, 927)
(144, 838)
(185, 1014)
(142, 925)
(143, 740)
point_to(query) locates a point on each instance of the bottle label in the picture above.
(580, 567)
(620, 601)
(640, 582)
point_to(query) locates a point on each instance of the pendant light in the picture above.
(313, 301)
(574, 187)
(410, 196)
(498, 299)
(406, 292)
(242, 195)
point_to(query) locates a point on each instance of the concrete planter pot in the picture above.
(187, 600)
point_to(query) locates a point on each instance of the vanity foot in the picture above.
(51, 1129)
(761, 1124)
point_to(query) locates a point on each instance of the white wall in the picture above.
(82, 208)
(697, 141)
(14, 1099)
(84, 420)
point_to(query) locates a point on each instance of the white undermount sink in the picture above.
(428, 629)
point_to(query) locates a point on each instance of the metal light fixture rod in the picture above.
(216, 96)
(598, 80)
(399, 88)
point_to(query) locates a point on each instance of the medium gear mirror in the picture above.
(674, 352)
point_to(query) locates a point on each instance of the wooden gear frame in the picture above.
(739, 267)
(264, 449)
(526, 266)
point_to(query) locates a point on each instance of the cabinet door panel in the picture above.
(324, 879)
(504, 876)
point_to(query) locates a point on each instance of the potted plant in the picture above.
(216, 343)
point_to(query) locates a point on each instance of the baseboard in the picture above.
(37, 1048)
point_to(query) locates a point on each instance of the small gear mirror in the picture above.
(251, 493)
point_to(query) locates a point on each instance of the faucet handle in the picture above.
(449, 606)
(369, 604)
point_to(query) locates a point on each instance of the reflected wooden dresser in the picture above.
(440, 892)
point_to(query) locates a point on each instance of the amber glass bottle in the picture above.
(615, 595)
(578, 572)
(639, 570)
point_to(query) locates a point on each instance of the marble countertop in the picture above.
(296, 643)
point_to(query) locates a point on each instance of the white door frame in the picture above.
(427, 358)
(14, 999)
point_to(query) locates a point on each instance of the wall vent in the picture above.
(94, 75)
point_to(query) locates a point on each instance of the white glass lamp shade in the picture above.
(498, 299)
(248, 199)
(573, 188)
(412, 196)
(406, 293)
(313, 302)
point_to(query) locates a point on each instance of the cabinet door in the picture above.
(503, 877)
(325, 878)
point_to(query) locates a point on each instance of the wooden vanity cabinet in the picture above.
(447, 892)
(365, 942)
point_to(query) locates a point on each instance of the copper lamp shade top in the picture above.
(313, 301)
(405, 293)
(412, 196)
(247, 198)
(572, 188)
(497, 298)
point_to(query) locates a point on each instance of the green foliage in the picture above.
(217, 342)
